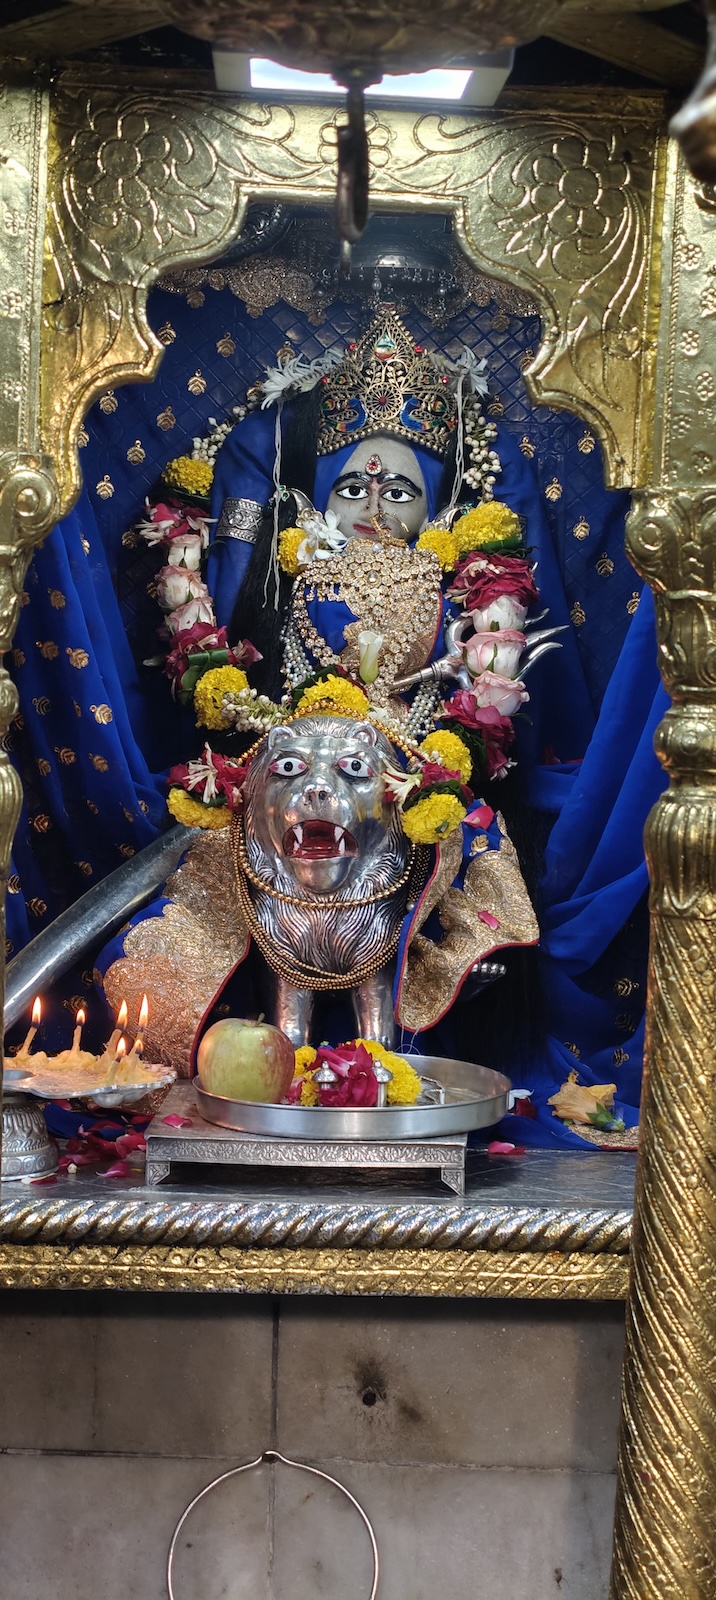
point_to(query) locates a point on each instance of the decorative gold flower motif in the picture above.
(586, 443)
(605, 566)
(48, 649)
(581, 529)
(625, 1023)
(99, 763)
(66, 756)
(101, 713)
(105, 487)
(619, 1057)
(77, 658)
(633, 604)
(76, 708)
(85, 545)
(41, 823)
(226, 346)
(167, 334)
(690, 342)
(690, 253)
(144, 807)
(13, 884)
(577, 614)
(44, 767)
(197, 383)
(24, 598)
(576, 1052)
(108, 402)
(625, 986)
(166, 419)
(528, 447)
(195, 298)
(36, 907)
(130, 539)
(704, 386)
(707, 300)
(57, 599)
(82, 438)
(92, 807)
(126, 850)
(127, 814)
(86, 871)
(496, 408)
(136, 453)
(575, 196)
(19, 658)
(553, 490)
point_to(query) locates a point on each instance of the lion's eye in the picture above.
(288, 766)
(355, 767)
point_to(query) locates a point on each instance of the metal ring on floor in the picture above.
(248, 1466)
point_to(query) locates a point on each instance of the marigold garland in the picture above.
(288, 547)
(433, 818)
(188, 475)
(334, 693)
(304, 1058)
(193, 813)
(443, 544)
(450, 751)
(209, 695)
(488, 525)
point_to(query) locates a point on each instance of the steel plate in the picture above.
(475, 1097)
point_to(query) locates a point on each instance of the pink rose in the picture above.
(505, 694)
(198, 610)
(496, 730)
(498, 652)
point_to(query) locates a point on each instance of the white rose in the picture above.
(199, 610)
(507, 613)
(176, 586)
(185, 551)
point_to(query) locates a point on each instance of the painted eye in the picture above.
(288, 766)
(397, 495)
(355, 767)
(352, 491)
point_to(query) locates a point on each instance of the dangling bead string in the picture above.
(277, 490)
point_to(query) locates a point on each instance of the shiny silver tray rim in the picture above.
(476, 1097)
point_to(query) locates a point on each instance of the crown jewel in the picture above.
(387, 384)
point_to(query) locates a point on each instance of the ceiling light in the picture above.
(477, 86)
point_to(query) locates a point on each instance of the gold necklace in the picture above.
(243, 870)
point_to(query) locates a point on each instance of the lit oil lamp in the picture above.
(36, 1020)
(115, 1036)
(80, 1020)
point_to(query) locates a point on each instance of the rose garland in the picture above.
(491, 583)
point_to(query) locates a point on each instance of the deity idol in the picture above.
(388, 593)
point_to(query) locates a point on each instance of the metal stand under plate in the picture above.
(206, 1143)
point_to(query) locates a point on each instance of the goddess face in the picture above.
(382, 479)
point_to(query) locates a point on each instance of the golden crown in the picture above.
(387, 384)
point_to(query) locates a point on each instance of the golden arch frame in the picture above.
(106, 184)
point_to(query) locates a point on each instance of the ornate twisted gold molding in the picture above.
(560, 200)
(665, 1537)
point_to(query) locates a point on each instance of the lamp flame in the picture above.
(122, 1047)
(122, 1015)
(37, 1012)
(144, 1012)
(81, 1019)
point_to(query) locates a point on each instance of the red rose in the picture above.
(206, 636)
(357, 1083)
(481, 579)
(497, 731)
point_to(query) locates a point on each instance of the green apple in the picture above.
(243, 1060)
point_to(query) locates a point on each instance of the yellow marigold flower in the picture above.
(432, 819)
(341, 695)
(209, 694)
(309, 1091)
(288, 546)
(450, 751)
(192, 477)
(443, 544)
(193, 813)
(305, 1057)
(405, 1086)
(486, 525)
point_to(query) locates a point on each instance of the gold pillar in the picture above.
(28, 493)
(665, 1535)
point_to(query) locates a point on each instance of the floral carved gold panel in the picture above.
(559, 199)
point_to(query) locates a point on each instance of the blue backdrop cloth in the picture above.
(97, 728)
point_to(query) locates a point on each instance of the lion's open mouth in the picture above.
(318, 841)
